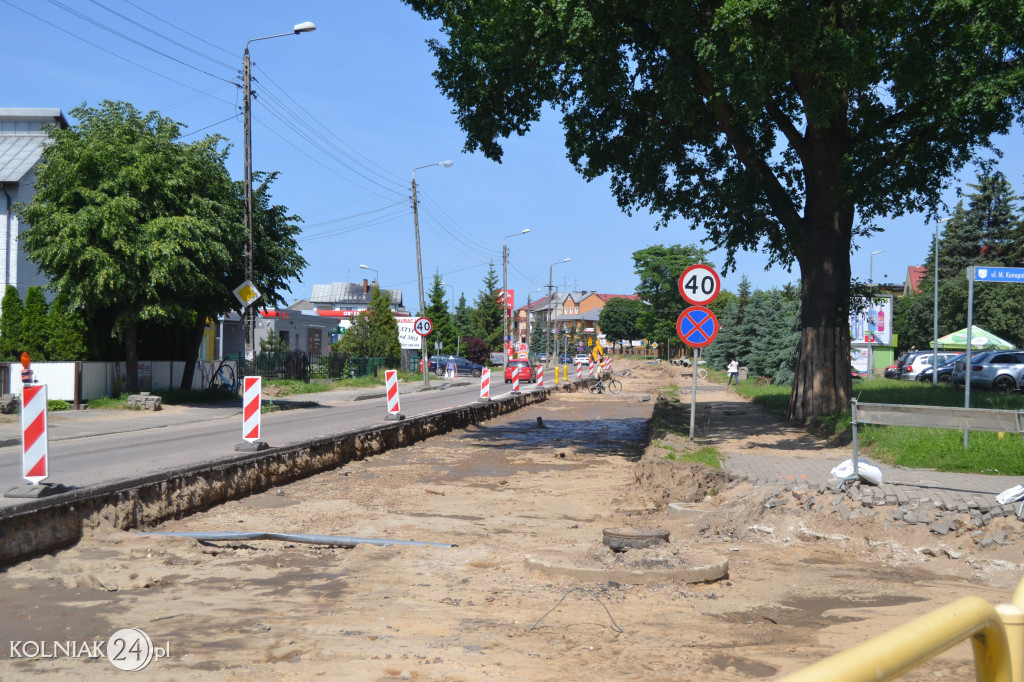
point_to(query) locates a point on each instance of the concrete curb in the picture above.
(689, 574)
(50, 523)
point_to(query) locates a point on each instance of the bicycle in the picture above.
(613, 385)
(224, 378)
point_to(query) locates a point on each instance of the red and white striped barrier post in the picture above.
(252, 415)
(485, 385)
(35, 455)
(540, 376)
(391, 388)
(579, 370)
(35, 460)
(590, 367)
(515, 380)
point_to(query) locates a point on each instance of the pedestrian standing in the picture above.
(450, 372)
(734, 373)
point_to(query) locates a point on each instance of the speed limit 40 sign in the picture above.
(423, 326)
(699, 284)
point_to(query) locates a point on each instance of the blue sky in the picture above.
(345, 114)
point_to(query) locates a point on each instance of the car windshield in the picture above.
(518, 363)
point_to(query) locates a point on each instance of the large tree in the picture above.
(619, 319)
(374, 332)
(659, 268)
(437, 311)
(778, 125)
(133, 225)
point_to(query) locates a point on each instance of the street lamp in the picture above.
(458, 339)
(375, 273)
(547, 341)
(935, 314)
(504, 294)
(452, 287)
(419, 259)
(871, 303)
(250, 332)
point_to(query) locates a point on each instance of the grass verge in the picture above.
(670, 432)
(916, 447)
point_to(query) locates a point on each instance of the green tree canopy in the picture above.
(659, 268)
(11, 313)
(374, 332)
(437, 312)
(486, 313)
(779, 126)
(131, 224)
(619, 319)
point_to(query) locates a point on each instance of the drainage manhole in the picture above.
(621, 539)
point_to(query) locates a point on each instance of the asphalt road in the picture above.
(90, 448)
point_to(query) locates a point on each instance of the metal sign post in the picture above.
(697, 326)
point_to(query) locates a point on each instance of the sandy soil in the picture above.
(513, 496)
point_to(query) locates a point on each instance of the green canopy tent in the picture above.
(980, 340)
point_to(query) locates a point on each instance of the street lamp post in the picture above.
(250, 313)
(547, 341)
(376, 280)
(452, 315)
(871, 303)
(504, 295)
(419, 260)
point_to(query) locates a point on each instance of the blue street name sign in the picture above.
(697, 326)
(998, 274)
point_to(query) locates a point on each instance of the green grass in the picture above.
(704, 455)
(916, 447)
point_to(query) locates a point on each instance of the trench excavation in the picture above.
(51, 523)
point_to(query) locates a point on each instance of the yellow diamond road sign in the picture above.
(247, 293)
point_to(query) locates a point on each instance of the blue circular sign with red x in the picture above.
(697, 326)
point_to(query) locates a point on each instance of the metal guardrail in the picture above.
(996, 634)
(959, 418)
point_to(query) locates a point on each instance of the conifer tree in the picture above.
(11, 313)
(34, 323)
(487, 311)
(437, 312)
(65, 334)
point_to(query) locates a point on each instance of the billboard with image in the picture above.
(873, 324)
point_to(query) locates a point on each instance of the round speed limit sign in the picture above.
(699, 284)
(422, 326)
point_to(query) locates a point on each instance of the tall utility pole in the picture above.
(250, 251)
(419, 261)
(551, 301)
(505, 311)
(871, 305)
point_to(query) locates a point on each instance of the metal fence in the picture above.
(304, 366)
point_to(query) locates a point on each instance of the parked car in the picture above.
(960, 367)
(1001, 371)
(465, 368)
(945, 371)
(924, 359)
(542, 357)
(565, 359)
(581, 358)
(525, 371)
(892, 371)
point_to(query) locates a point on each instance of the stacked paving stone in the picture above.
(144, 401)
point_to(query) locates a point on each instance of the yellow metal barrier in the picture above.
(996, 634)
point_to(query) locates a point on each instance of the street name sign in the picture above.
(998, 273)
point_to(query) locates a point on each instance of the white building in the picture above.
(22, 139)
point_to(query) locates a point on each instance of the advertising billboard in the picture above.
(873, 324)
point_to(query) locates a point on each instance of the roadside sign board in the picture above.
(998, 274)
(423, 326)
(699, 284)
(697, 326)
(247, 293)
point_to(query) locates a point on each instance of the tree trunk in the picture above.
(195, 340)
(131, 360)
(822, 384)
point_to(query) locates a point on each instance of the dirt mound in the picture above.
(662, 481)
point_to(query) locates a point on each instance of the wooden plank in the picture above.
(1007, 421)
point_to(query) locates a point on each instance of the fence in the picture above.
(305, 367)
(960, 418)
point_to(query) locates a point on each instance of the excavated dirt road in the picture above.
(526, 506)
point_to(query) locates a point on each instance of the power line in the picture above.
(143, 9)
(141, 44)
(113, 54)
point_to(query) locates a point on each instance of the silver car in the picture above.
(960, 368)
(1002, 371)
